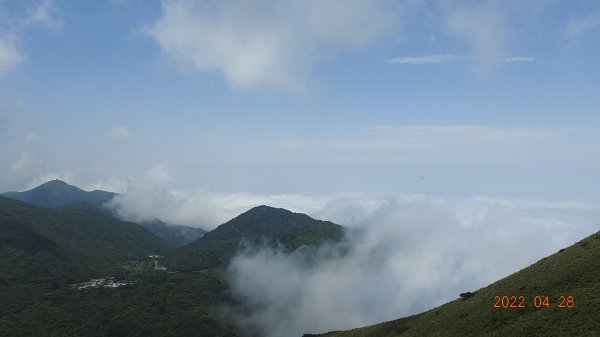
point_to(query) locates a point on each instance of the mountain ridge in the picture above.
(61, 195)
(57, 193)
(260, 225)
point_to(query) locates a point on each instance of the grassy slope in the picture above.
(574, 271)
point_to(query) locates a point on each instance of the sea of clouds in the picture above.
(402, 254)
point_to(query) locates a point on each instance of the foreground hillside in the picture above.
(574, 271)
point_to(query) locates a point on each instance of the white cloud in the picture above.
(425, 59)
(266, 42)
(10, 57)
(200, 208)
(404, 254)
(578, 27)
(14, 23)
(118, 132)
(444, 58)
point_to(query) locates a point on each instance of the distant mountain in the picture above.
(259, 225)
(174, 235)
(574, 271)
(44, 251)
(34, 239)
(57, 193)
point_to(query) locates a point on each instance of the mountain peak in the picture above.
(57, 193)
(259, 225)
(56, 184)
(266, 210)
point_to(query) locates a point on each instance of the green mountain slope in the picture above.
(93, 243)
(574, 271)
(259, 225)
(57, 193)
(43, 251)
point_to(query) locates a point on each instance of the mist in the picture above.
(401, 255)
(201, 208)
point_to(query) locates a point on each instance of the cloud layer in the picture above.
(269, 43)
(403, 255)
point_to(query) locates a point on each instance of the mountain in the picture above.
(570, 274)
(89, 244)
(44, 251)
(57, 193)
(259, 225)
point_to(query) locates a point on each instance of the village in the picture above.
(110, 282)
(106, 282)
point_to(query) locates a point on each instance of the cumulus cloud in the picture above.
(403, 254)
(15, 21)
(266, 42)
(118, 132)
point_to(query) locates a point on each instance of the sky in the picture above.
(426, 122)
(441, 97)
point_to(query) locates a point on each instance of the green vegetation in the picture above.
(574, 271)
(59, 194)
(93, 243)
(260, 225)
(44, 252)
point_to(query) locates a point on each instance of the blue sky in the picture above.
(437, 97)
